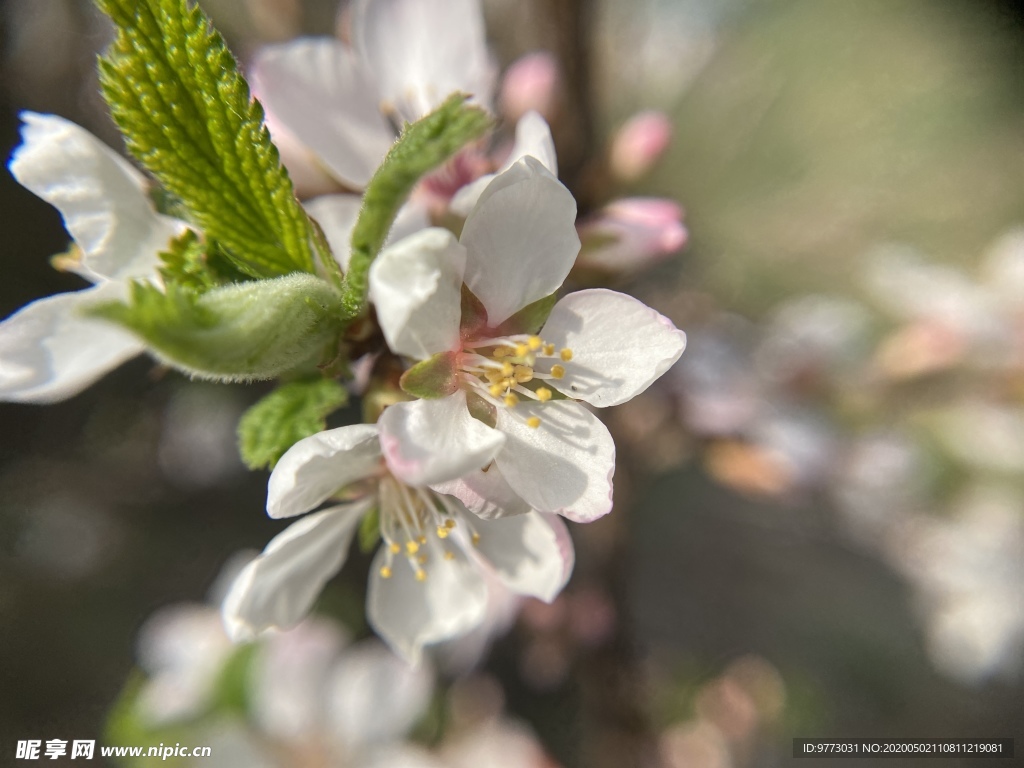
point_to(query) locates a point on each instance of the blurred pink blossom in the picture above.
(638, 145)
(531, 83)
(631, 233)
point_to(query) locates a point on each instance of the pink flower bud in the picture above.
(638, 144)
(631, 234)
(531, 83)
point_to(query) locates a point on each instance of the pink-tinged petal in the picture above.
(520, 238)
(485, 493)
(314, 87)
(49, 351)
(317, 467)
(631, 234)
(368, 680)
(308, 174)
(531, 84)
(409, 613)
(639, 144)
(277, 589)
(619, 345)
(563, 466)
(101, 197)
(422, 52)
(416, 288)
(431, 441)
(532, 554)
(533, 139)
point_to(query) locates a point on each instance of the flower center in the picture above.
(410, 518)
(506, 369)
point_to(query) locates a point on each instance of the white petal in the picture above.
(315, 88)
(279, 587)
(533, 139)
(318, 466)
(532, 554)
(563, 466)
(520, 238)
(409, 614)
(421, 52)
(336, 215)
(100, 195)
(430, 441)
(400, 756)
(485, 493)
(620, 346)
(49, 351)
(416, 287)
(368, 681)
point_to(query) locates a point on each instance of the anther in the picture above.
(421, 575)
(442, 532)
(521, 350)
(423, 539)
(412, 547)
(511, 400)
(549, 349)
(534, 343)
(523, 374)
(449, 555)
(566, 354)
(395, 549)
(507, 369)
(449, 523)
(422, 559)
(557, 371)
(496, 390)
(543, 394)
(385, 572)
(533, 422)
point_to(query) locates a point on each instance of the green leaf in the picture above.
(430, 379)
(529, 319)
(176, 93)
(253, 330)
(285, 416)
(231, 690)
(369, 531)
(191, 263)
(423, 146)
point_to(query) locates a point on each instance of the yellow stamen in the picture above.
(395, 549)
(442, 532)
(533, 422)
(496, 390)
(534, 343)
(549, 349)
(543, 394)
(566, 354)
(423, 539)
(511, 400)
(412, 547)
(557, 371)
(449, 523)
(422, 559)
(493, 375)
(449, 555)
(476, 537)
(500, 352)
(385, 572)
(523, 374)
(507, 369)
(521, 350)
(421, 575)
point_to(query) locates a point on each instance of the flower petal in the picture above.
(101, 197)
(314, 87)
(370, 680)
(49, 351)
(416, 287)
(533, 139)
(520, 239)
(430, 441)
(337, 214)
(485, 493)
(532, 554)
(620, 346)
(409, 614)
(563, 466)
(420, 53)
(320, 465)
(279, 587)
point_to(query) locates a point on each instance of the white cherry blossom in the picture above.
(426, 584)
(49, 350)
(541, 449)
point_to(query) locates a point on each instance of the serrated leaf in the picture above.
(285, 416)
(432, 378)
(191, 263)
(253, 330)
(422, 147)
(369, 531)
(176, 93)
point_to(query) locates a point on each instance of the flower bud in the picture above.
(630, 234)
(531, 82)
(638, 145)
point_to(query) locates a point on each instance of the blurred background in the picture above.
(819, 528)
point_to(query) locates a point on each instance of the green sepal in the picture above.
(435, 377)
(177, 95)
(474, 314)
(481, 410)
(253, 330)
(231, 689)
(369, 531)
(529, 319)
(422, 147)
(285, 416)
